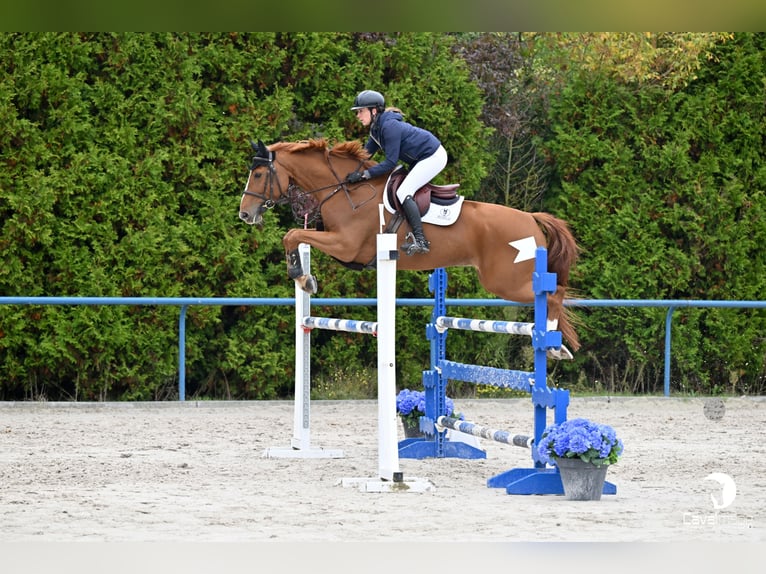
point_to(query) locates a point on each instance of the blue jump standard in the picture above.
(536, 480)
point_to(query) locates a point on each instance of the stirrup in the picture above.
(413, 245)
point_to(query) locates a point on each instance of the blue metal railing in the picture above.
(671, 305)
(185, 302)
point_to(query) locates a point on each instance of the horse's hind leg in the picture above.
(557, 319)
(295, 271)
(524, 294)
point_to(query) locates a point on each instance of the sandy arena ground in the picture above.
(195, 472)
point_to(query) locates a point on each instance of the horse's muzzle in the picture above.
(251, 218)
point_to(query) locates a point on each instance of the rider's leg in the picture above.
(416, 241)
(420, 174)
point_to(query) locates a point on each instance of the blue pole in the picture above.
(437, 389)
(668, 323)
(182, 354)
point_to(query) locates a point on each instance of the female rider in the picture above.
(418, 149)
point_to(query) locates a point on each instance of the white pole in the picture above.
(302, 414)
(390, 478)
(388, 450)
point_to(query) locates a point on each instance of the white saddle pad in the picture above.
(436, 214)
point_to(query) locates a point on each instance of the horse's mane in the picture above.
(352, 149)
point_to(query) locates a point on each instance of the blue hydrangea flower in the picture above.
(412, 404)
(407, 401)
(449, 406)
(580, 438)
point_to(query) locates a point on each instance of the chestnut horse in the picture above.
(309, 176)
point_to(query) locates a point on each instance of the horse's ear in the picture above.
(262, 151)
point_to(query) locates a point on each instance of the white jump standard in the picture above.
(389, 478)
(300, 444)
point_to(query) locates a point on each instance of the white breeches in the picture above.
(423, 172)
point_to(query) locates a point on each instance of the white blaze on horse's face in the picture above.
(244, 214)
(250, 214)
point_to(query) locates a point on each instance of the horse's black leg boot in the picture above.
(415, 242)
(294, 265)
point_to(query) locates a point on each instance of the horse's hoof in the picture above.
(560, 354)
(311, 284)
(307, 283)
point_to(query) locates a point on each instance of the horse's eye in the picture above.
(257, 175)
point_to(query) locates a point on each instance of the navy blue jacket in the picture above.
(399, 141)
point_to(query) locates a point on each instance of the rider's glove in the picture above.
(355, 177)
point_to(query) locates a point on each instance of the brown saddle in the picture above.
(441, 194)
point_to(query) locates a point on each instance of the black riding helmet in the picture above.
(369, 99)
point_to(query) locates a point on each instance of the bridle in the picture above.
(268, 201)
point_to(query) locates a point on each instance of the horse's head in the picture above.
(265, 188)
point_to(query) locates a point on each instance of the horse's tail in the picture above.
(562, 255)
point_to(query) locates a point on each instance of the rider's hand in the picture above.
(355, 177)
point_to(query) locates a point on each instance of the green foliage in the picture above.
(121, 160)
(665, 191)
(346, 384)
(514, 108)
(122, 156)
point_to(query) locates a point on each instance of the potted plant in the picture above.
(411, 405)
(582, 450)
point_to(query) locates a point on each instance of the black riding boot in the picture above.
(415, 242)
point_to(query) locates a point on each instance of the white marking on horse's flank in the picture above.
(526, 248)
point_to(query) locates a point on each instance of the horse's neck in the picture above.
(319, 172)
(310, 171)
(340, 203)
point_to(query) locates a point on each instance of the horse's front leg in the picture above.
(333, 244)
(295, 271)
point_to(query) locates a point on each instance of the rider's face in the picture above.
(364, 115)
